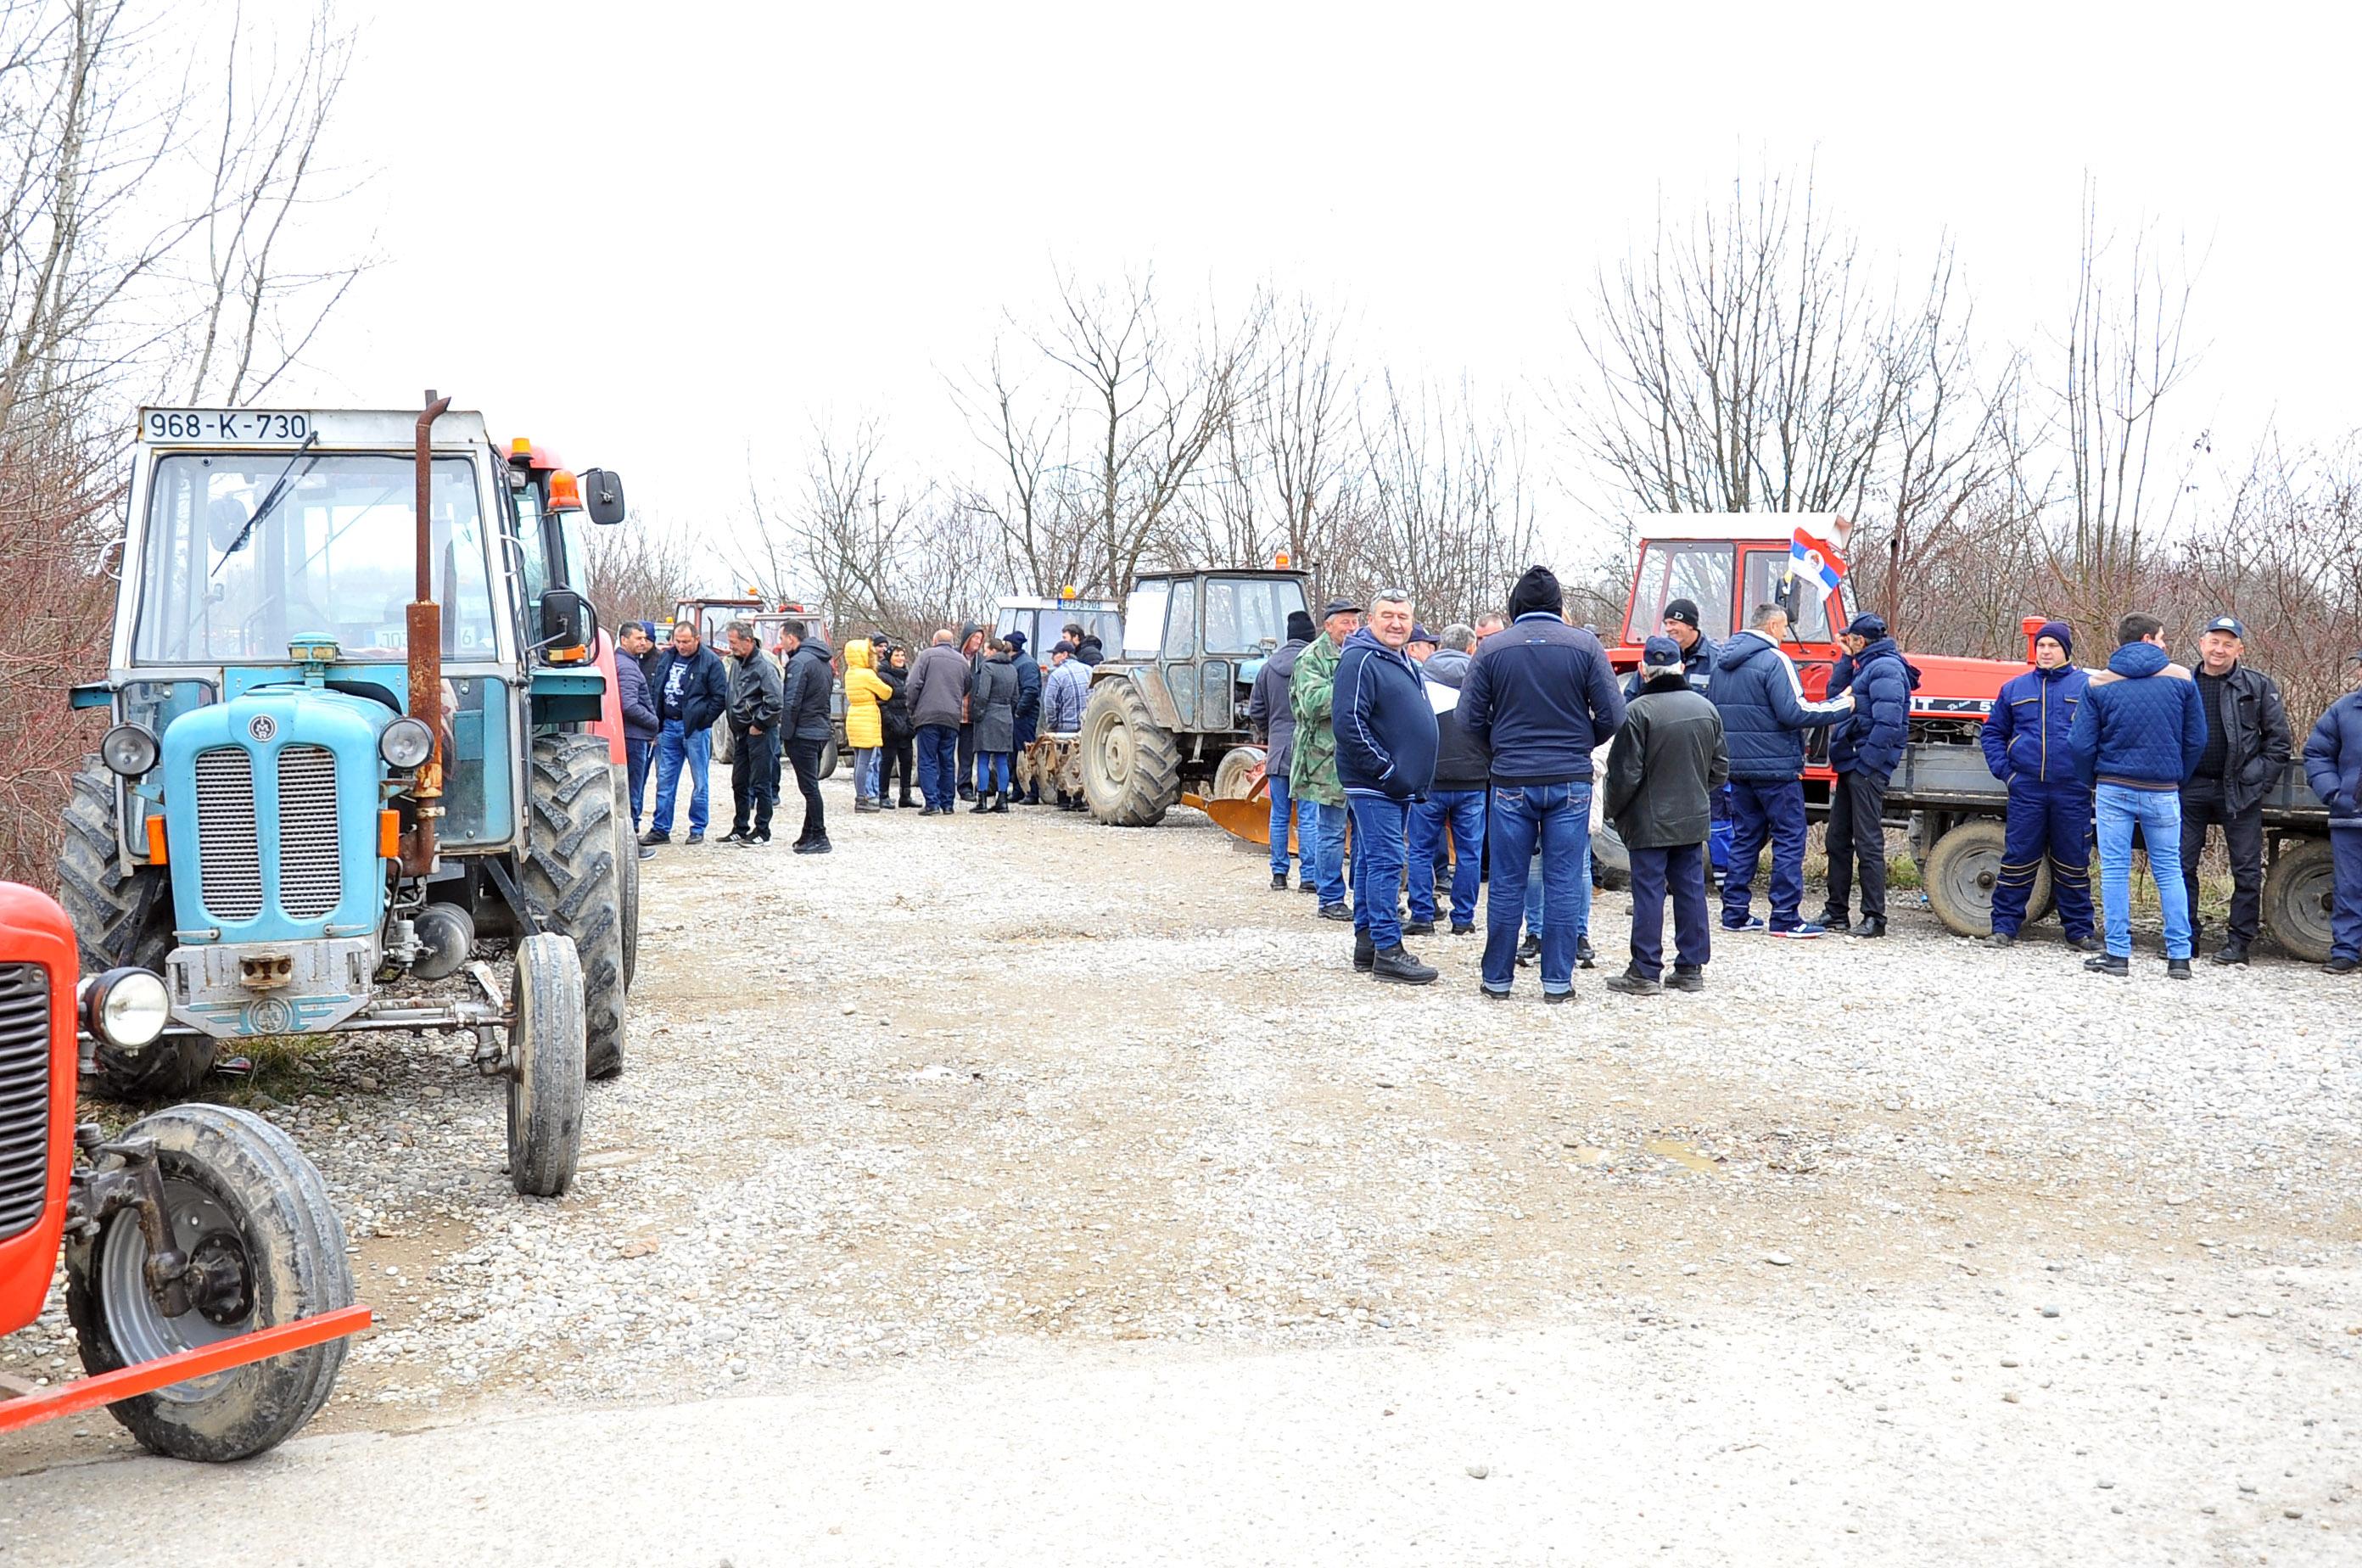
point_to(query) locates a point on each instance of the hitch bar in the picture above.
(124, 1382)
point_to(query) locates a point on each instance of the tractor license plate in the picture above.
(224, 426)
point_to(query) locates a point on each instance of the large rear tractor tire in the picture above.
(1962, 872)
(627, 864)
(2298, 897)
(122, 918)
(241, 1199)
(572, 867)
(546, 1067)
(1132, 769)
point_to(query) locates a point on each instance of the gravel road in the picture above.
(1964, 1243)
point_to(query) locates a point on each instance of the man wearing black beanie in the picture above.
(2026, 741)
(1541, 698)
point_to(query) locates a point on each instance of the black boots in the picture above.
(1365, 952)
(1632, 983)
(983, 803)
(2107, 964)
(1396, 965)
(1871, 925)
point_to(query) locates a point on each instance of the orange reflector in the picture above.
(569, 656)
(155, 854)
(388, 836)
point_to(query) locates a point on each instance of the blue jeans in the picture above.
(1581, 896)
(2157, 812)
(939, 765)
(1760, 814)
(1381, 840)
(2345, 885)
(991, 772)
(1283, 812)
(638, 754)
(865, 771)
(2052, 821)
(1460, 813)
(676, 749)
(1326, 826)
(1557, 817)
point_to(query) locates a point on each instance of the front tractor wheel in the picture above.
(1132, 769)
(250, 1212)
(574, 865)
(546, 1049)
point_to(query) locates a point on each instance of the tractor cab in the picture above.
(1727, 564)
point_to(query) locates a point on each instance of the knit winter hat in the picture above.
(1299, 626)
(1016, 640)
(1686, 611)
(2057, 631)
(1537, 591)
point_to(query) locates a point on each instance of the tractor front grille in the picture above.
(229, 852)
(24, 1095)
(311, 864)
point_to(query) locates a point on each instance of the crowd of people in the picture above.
(1410, 771)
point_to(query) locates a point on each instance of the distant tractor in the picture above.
(711, 617)
(1169, 712)
(1044, 621)
(354, 697)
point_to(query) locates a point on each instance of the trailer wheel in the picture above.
(1232, 775)
(628, 870)
(1962, 872)
(1131, 771)
(2298, 898)
(572, 867)
(545, 1075)
(241, 1199)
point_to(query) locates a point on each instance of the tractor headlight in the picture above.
(129, 749)
(405, 744)
(127, 1007)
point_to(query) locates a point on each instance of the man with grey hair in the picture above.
(1764, 716)
(1386, 763)
(753, 715)
(1454, 809)
(1490, 622)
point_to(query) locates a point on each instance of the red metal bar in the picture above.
(89, 1393)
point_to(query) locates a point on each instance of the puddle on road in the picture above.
(1682, 1154)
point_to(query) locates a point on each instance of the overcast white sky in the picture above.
(661, 236)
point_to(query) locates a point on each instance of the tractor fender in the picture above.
(1150, 683)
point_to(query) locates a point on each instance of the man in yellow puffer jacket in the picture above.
(864, 730)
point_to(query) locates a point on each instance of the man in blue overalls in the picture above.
(2049, 808)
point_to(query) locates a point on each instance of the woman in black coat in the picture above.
(894, 716)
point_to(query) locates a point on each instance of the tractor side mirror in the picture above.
(565, 621)
(603, 496)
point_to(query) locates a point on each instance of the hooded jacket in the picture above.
(1460, 762)
(1385, 731)
(938, 686)
(1267, 708)
(702, 693)
(1664, 766)
(1764, 713)
(992, 703)
(1871, 739)
(1541, 698)
(894, 713)
(754, 694)
(865, 692)
(1063, 696)
(1090, 651)
(2025, 736)
(1312, 755)
(633, 696)
(2333, 761)
(811, 681)
(2141, 724)
(2257, 739)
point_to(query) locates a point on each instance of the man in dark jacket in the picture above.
(1764, 717)
(1029, 709)
(1662, 772)
(938, 695)
(2026, 741)
(805, 725)
(1454, 809)
(755, 697)
(1864, 750)
(2137, 733)
(1541, 698)
(2332, 766)
(1698, 650)
(691, 691)
(2248, 742)
(1273, 723)
(641, 725)
(1385, 762)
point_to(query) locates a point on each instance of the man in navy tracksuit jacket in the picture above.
(1863, 751)
(2332, 766)
(1764, 717)
(2138, 733)
(1538, 695)
(2026, 742)
(1385, 762)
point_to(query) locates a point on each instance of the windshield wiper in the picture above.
(270, 500)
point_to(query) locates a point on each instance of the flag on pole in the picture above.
(1816, 559)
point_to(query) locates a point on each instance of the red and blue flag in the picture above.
(1816, 559)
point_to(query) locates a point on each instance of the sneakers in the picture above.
(1462, 929)
(1419, 928)
(735, 835)
(1807, 932)
(1585, 957)
(2176, 969)
(1365, 952)
(647, 852)
(1489, 994)
(1529, 951)
(862, 807)
(2341, 967)
(814, 845)
(1558, 999)
(651, 838)
(2108, 963)
(1279, 881)
(1335, 911)
(2231, 953)
(1685, 977)
(758, 838)
(1754, 924)
(694, 840)
(2004, 939)
(1871, 925)
(1632, 983)
(1397, 966)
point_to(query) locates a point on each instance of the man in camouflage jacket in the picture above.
(1312, 771)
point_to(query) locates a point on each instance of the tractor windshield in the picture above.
(1247, 614)
(244, 551)
(1697, 570)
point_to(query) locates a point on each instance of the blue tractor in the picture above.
(353, 684)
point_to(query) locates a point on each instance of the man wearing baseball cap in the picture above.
(2332, 766)
(2247, 748)
(1864, 749)
(1668, 759)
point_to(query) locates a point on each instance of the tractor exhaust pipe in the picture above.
(424, 625)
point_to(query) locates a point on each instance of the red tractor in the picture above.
(206, 1275)
(1727, 563)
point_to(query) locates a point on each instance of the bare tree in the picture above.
(1446, 509)
(1286, 471)
(639, 571)
(1026, 498)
